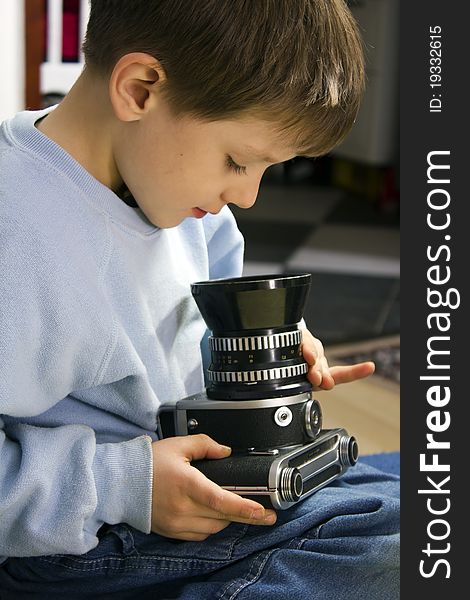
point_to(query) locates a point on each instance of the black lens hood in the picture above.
(233, 306)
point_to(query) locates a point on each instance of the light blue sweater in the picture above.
(97, 329)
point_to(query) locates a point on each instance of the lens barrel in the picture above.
(291, 484)
(256, 343)
(349, 450)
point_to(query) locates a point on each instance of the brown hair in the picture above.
(297, 63)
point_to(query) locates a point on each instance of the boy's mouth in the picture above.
(198, 213)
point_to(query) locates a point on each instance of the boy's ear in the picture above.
(133, 84)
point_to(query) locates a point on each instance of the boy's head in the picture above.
(289, 72)
(297, 63)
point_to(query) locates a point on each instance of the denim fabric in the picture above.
(342, 543)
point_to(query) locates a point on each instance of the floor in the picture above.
(352, 251)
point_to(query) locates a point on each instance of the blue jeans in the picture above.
(341, 543)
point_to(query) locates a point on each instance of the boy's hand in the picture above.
(323, 377)
(185, 504)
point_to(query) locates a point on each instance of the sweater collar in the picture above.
(23, 133)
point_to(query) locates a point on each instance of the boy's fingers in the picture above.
(312, 348)
(207, 526)
(331, 376)
(197, 447)
(200, 529)
(309, 354)
(320, 375)
(346, 374)
(217, 503)
(315, 376)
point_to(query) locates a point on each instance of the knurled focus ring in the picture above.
(257, 375)
(258, 342)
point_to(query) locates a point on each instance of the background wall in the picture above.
(11, 57)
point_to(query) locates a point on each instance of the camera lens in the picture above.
(291, 484)
(349, 450)
(255, 344)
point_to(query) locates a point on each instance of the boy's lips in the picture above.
(198, 212)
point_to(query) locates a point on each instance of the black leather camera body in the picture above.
(258, 399)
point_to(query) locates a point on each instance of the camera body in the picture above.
(280, 471)
(258, 399)
(246, 425)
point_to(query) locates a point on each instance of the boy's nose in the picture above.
(244, 198)
(247, 201)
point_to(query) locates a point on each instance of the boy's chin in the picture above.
(168, 221)
(164, 221)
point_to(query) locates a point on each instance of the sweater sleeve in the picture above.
(57, 485)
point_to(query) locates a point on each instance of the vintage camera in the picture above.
(258, 399)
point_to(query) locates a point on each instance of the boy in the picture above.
(111, 204)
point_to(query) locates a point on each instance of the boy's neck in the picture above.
(82, 124)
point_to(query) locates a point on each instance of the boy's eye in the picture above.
(233, 166)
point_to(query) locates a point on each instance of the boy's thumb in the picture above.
(202, 446)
